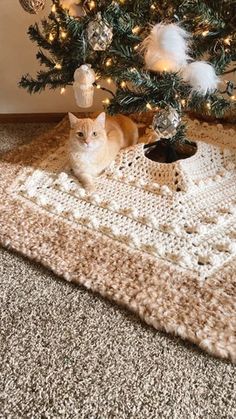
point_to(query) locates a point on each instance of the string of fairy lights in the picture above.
(91, 5)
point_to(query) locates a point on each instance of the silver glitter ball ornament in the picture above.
(32, 6)
(99, 34)
(165, 122)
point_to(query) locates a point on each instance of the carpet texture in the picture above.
(67, 353)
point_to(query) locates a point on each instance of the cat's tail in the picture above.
(145, 135)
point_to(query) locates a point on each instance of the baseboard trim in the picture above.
(31, 117)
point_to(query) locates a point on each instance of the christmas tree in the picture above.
(152, 51)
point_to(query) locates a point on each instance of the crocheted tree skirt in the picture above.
(157, 238)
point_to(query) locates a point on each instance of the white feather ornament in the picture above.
(166, 48)
(201, 76)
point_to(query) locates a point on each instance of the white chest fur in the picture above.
(86, 161)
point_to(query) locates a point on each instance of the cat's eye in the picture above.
(94, 134)
(80, 134)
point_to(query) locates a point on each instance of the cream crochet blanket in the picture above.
(183, 212)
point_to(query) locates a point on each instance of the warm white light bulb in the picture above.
(106, 101)
(136, 30)
(92, 5)
(63, 34)
(108, 62)
(227, 40)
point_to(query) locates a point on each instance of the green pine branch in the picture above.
(211, 23)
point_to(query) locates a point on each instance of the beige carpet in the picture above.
(67, 353)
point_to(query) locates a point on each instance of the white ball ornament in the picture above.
(84, 77)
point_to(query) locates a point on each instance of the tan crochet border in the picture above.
(165, 297)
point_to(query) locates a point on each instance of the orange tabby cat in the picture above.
(94, 144)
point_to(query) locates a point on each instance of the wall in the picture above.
(18, 57)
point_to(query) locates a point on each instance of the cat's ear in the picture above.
(73, 120)
(101, 119)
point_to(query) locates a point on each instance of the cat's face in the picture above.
(88, 133)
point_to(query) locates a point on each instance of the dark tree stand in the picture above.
(163, 151)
